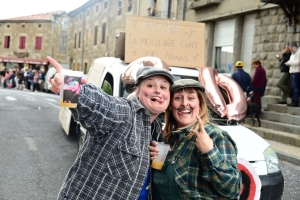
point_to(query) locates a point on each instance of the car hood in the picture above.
(250, 145)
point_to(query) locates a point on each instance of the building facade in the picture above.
(26, 41)
(247, 30)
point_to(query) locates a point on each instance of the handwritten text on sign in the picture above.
(178, 43)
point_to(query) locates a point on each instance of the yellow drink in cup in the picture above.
(158, 162)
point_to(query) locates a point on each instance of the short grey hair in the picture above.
(294, 44)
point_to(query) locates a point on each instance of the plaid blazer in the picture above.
(114, 159)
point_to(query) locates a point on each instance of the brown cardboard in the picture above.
(178, 43)
(120, 51)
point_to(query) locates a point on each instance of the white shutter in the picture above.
(224, 33)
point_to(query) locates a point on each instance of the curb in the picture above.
(288, 158)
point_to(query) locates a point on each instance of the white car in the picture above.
(106, 73)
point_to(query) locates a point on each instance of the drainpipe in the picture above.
(183, 9)
(83, 36)
(138, 8)
(52, 38)
(176, 10)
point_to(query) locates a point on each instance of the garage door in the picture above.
(248, 37)
(223, 45)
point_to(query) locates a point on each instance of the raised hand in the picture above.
(56, 80)
(203, 142)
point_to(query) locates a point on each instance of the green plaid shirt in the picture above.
(212, 175)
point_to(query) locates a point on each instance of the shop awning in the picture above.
(24, 60)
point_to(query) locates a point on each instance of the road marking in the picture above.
(11, 98)
(52, 100)
(31, 143)
(54, 105)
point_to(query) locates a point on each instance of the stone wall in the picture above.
(272, 32)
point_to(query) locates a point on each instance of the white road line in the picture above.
(31, 143)
(10, 98)
(54, 105)
(52, 100)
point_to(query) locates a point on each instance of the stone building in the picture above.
(247, 30)
(26, 40)
(91, 31)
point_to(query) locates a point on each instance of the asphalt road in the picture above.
(36, 154)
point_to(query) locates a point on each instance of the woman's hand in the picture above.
(153, 151)
(56, 80)
(203, 142)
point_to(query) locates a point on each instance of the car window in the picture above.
(108, 84)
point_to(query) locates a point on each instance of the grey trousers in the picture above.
(284, 85)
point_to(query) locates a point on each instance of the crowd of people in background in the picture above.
(22, 79)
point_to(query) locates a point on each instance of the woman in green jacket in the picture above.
(202, 162)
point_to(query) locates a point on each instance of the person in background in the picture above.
(294, 65)
(20, 79)
(2, 76)
(242, 78)
(25, 75)
(42, 75)
(283, 82)
(259, 83)
(35, 81)
(202, 163)
(114, 160)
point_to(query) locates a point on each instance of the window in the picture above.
(129, 5)
(108, 84)
(6, 42)
(224, 59)
(85, 68)
(103, 32)
(63, 43)
(22, 42)
(86, 37)
(23, 26)
(38, 43)
(95, 35)
(105, 4)
(64, 24)
(75, 40)
(97, 8)
(40, 25)
(8, 26)
(79, 39)
(120, 7)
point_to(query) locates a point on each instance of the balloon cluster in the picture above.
(224, 95)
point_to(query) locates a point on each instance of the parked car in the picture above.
(106, 73)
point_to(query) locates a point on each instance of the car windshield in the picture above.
(127, 89)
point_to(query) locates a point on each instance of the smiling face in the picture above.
(154, 94)
(185, 106)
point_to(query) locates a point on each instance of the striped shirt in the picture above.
(212, 175)
(114, 159)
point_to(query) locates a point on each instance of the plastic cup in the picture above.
(70, 88)
(158, 162)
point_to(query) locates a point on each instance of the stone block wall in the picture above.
(272, 32)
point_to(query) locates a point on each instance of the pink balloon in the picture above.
(207, 77)
(237, 107)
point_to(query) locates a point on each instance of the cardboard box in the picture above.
(178, 43)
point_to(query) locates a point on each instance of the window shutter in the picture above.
(38, 43)
(6, 41)
(22, 42)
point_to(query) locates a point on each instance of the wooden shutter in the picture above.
(38, 43)
(6, 41)
(22, 42)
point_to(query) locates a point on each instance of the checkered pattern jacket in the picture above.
(212, 175)
(114, 159)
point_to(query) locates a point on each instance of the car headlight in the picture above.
(271, 160)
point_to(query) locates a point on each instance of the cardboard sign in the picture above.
(178, 43)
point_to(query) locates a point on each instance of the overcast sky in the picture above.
(19, 8)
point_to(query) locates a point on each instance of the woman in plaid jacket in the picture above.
(202, 163)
